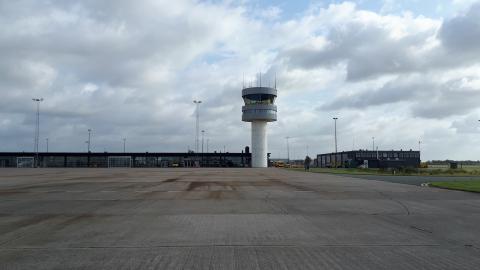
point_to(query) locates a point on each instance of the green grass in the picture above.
(414, 172)
(473, 186)
(342, 171)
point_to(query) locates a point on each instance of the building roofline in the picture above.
(80, 154)
(370, 151)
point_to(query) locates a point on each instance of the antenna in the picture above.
(275, 80)
(243, 80)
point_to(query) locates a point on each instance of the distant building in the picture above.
(133, 159)
(369, 159)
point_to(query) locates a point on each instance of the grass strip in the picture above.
(406, 172)
(472, 186)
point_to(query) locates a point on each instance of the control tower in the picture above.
(259, 109)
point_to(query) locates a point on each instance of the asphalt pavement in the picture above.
(230, 219)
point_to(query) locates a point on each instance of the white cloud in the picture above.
(131, 70)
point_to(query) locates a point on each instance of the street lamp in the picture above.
(37, 128)
(197, 124)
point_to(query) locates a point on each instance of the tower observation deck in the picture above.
(259, 109)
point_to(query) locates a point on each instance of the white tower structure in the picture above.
(259, 109)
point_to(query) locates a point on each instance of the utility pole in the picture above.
(207, 144)
(197, 123)
(373, 143)
(47, 144)
(124, 142)
(37, 129)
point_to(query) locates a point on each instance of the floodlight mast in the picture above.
(259, 109)
(37, 130)
(197, 123)
(336, 149)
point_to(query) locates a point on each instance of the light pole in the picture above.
(47, 144)
(197, 124)
(419, 149)
(373, 143)
(335, 120)
(336, 149)
(37, 128)
(208, 140)
(288, 149)
(124, 142)
(88, 142)
(203, 134)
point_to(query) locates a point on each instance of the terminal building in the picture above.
(137, 160)
(370, 159)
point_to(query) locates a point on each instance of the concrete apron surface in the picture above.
(230, 219)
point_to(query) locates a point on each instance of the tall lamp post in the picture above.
(419, 149)
(336, 149)
(203, 134)
(197, 124)
(88, 142)
(288, 149)
(37, 129)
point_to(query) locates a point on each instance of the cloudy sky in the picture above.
(397, 72)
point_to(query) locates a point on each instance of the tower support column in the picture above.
(259, 144)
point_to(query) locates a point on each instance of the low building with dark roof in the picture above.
(370, 159)
(131, 159)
